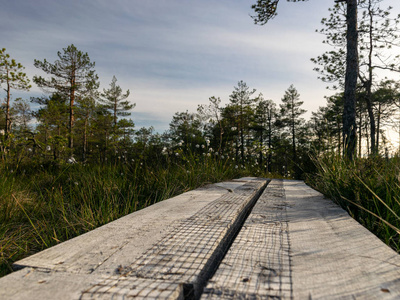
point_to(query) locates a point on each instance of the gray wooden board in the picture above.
(36, 284)
(257, 265)
(298, 245)
(118, 243)
(33, 284)
(333, 256)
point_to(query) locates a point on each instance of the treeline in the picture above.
(76, 122)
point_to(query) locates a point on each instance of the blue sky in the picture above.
(173, 55)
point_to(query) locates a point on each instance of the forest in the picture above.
(76, 161)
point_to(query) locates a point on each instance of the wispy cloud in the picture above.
(174, 54)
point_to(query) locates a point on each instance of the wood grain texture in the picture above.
(333, 256)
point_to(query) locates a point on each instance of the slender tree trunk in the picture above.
(241, 133)
(71, 114)
(378, 125)
(294, 144)
(221, 132)
(349, 109)
(106, 146)
(372, 124)
(261, 160)
(367, 136)
(360, 134)
(8, 119)
(46, 133)
(294, 157)
(237, 144)
(369, 84)
(85, 140)
(269, 160)
(339, 136)
(115, 115)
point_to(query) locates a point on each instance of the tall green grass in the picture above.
(41, 206)
(368, 188)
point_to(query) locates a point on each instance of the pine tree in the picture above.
(291, 113)
(86, 110)
(115, 101)
(186, 127)
(212, 115)
(12, 76)
(23, 114)
(264, 126)
(72, 76)
(241, 100)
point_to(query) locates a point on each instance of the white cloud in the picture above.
(175, 54)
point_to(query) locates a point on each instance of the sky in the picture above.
(174, 55)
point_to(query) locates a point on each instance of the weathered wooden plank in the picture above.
(137, 288)
(257, 265)
(333, 256)
(298, 245)
(122, 241)
(30, 283)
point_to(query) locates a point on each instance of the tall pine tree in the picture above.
(73, 75)
(291, 119)
(115, 101)
(12, 77)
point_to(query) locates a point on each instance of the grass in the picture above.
(369, 189)
(41, 206)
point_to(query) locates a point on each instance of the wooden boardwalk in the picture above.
(242, 239)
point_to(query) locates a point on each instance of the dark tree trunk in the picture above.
(349, 111)
(85, 139)
(371, 120)
(369, 85)
(294, 144)
(261, 158)
(378, 128)
(269, 161)
(71, 114)
(360, 132)
(8, 119)
(339, 137)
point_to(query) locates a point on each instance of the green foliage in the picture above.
(186, 128)
(265, 129)
(72, 73)
(115, 101)
(11, 72)
(12, 77)
(73, 77)
(377, 32)
(266, 10)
